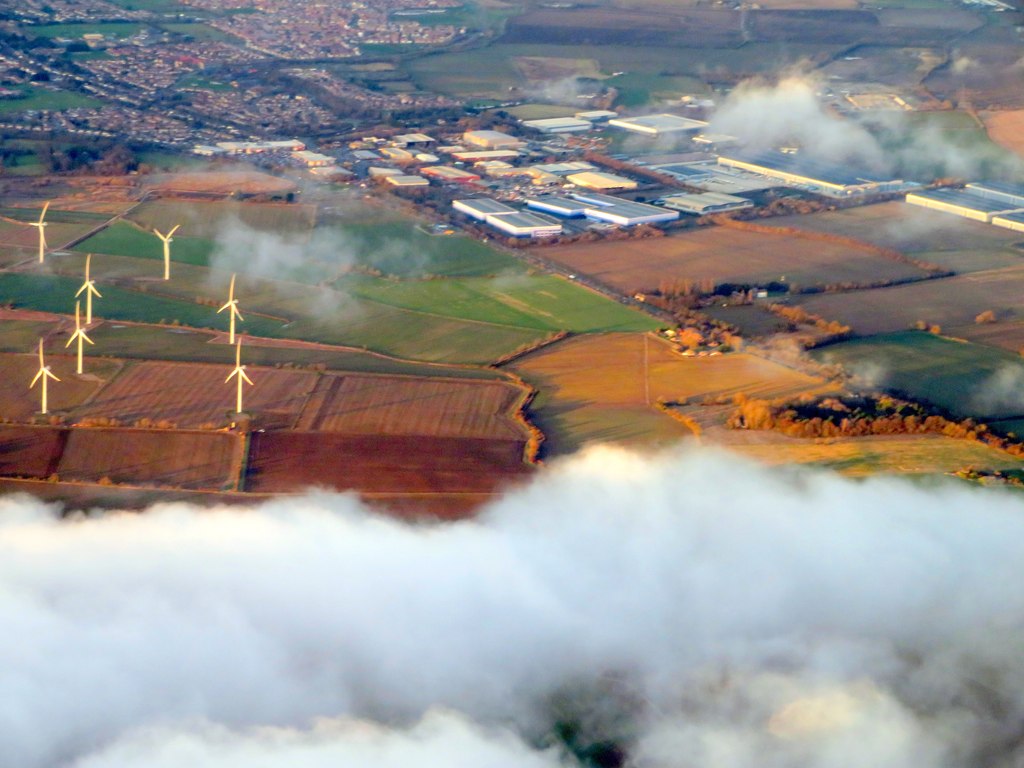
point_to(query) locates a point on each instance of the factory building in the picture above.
(413, 140)
(525, 224)
(259, 147)
(446, 173)
(378, 172)
(472, 156)
(822, 178)
(507, 219)
(1002, 192)
(1014, 221)
(596, 115)
(706, 203)
(397, 155)
(599, 180)
(658, 125)
(565, 207)
(564, 169)
(961, 202)
(625, 213)
(480, 208)
(559, 125)
(313, 159)
(491, 140)
(403, 180)
(684, 172)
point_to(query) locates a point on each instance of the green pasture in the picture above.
(199, 32)
(208, 219)
(965, 379)
(539, 302)
(74, 31)
(123, 239)
(22, 335)
(55, 216)
(36, 98)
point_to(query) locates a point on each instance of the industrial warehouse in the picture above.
(814, 176)
(968, 203)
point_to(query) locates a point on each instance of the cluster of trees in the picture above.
(860, 416)
(111, 160)
(833, 329)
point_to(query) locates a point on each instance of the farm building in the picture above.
(1002, 192)
(447, 173)
(404, 180)
(706, 203)
(559, 125)
(1014, 221)
(961, 202)
(313, 159)
(480, 208)
(624, 213)
(560, 206)
(599, 180)
(596, 115)
(801, 171)
(491, 140)
(525, 224)
(658, 125)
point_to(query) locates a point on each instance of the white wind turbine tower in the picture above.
(232, 304)
(44, 374)
(240, 373)
(89, 286)
(78, 334)
(167, 239)
(41, 225)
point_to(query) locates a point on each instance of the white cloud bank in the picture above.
(687, 604)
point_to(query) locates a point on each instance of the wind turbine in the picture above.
(240, 373)
(168, 239)
(89, 286)
(78, 334)
(44, 374)
(232, 304)
(41, 225)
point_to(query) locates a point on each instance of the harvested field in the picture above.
(594, 389)
(193, 395)
(727, 256)
(30, 451)
(378, 405)
(172, 458)
(207, 219)
(951, 303)
(952, 242)
(1006, 128)
(292, 461)
(221, 182)
(900, 454)
(19, 403)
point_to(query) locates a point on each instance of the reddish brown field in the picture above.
(192, 394)
(30, 451)
(726, 256)
(1006, 128)
(386, 405)
(172, 458)
(19, 403)
(292, 461)
(222, 182)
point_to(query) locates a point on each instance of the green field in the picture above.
(22, 335)
(43, 98)
(199, 32)
(209, 219)
(965, 379)
(75, 31)
(123, 239)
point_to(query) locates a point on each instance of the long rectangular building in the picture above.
(813, 175)
(525, 224)
(707, 203)
(625, 213)
(480, 208)
(961, 202)
(1000, 191)
(1014, 221)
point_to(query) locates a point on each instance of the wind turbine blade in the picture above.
(73, 337)
(224, 307)
(244, 375)
(51, 375)
(36, 378)
(95, 292)
(231, 290)
(231, 376)
(173, 230)
(87, 338)
(79, 291)
(41, 363)
(238, 314)
(42, 213)
(238, 354)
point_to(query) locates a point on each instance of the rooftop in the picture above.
(661, 123)
(964, 199)
(485, 205)
(808, 167)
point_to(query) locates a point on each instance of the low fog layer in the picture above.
(683, 604)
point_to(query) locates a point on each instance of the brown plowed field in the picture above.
(383, 405)
(195, 460)
(190, 395)
(19, 403)
(1006, 128)
(292, 461)
(30, 451)
(726, 256)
